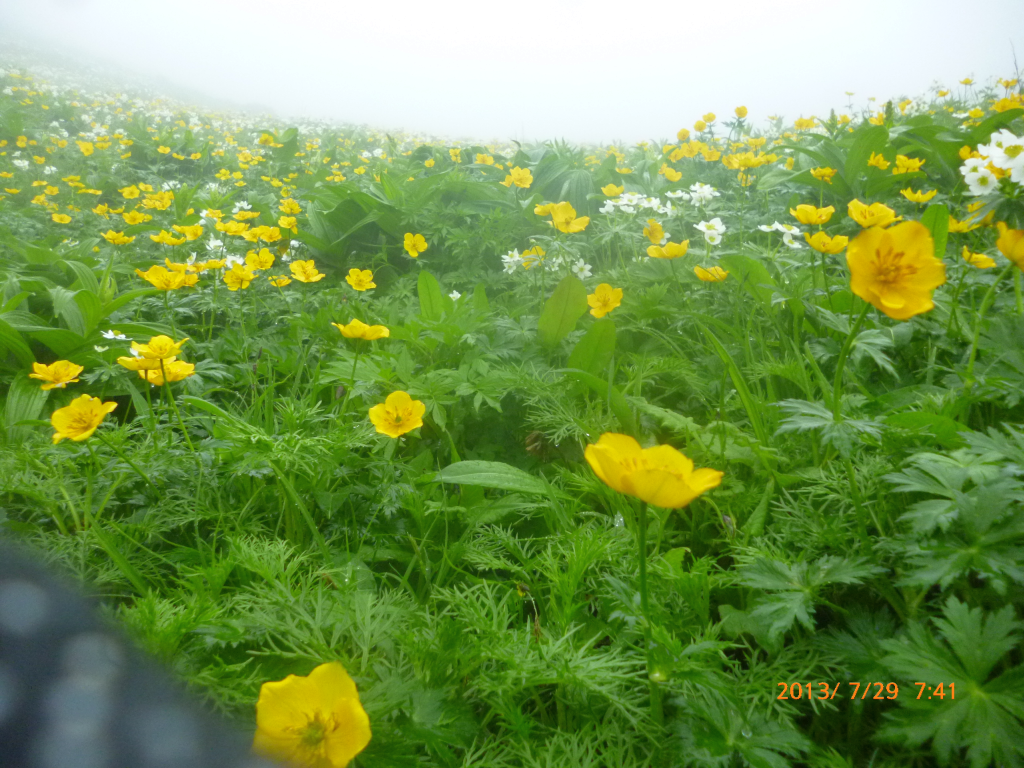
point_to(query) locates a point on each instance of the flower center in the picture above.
(313, 734)
(890, 269)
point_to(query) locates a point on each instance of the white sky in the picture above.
(585, 71)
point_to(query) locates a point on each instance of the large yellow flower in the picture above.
(713, 275)
(315, 721)
(80, 419)
(176, 370)
(895, 269)
(660, 475)
(238, 277)
(1011, 244)
(611, 190)
(360, 279)
(918, 197)
(979, 260)
(162, 278)
(604, 299)
(808, 214)
(262, 260)
(668, 250)
(563, 216)
(398, 414)
(357, 329)
(306, 271)
(521, 177)
(874, 215)
(159, 348)
(117, 238)
(415, 244)
(56, 375)
(654, 231)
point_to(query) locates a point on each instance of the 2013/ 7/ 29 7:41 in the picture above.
(882, 691)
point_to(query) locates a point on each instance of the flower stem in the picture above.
(170, 315)
(985, 303)
(174, 406)
(125, 459)
(641, 535)
(352, 383)
(837, 400)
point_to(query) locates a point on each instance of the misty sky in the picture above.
(586, 71)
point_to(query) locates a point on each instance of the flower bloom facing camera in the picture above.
(398, 414)
(660, 475)
(360, 279)
(809, 214)
(80, 419)
(176, 370)
(415, 244)
(874, 215)
(162, 278)
(604, 299)
(357, 329)
(315, 721)
(56, 375)
(521, 177)
(306, 271)
(895, 269)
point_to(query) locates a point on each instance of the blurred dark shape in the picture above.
(74, 693)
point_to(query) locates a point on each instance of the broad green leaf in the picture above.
(480, 303)
(594, 351)
(14, 342)
(431, 303)
(566, 305)
(25, 400)
(936, 218)
(492, 474)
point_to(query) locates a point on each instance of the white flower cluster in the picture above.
(512, 260)
(787, 230)
(629, 202)
(713, 230)
(1006, 152)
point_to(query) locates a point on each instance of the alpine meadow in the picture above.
(398, 451)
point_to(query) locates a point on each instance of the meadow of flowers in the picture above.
(398, 451)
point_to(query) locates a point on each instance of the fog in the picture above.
(530, 70)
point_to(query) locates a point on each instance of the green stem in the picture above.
(985, 303)
(837, 401)
(352, 383)
(641, 535)
(125, 459)
(170, 315)
(174, 406)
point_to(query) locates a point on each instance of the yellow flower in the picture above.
(700, 125)
(1011, 244)
(167, 238)
(878, 161)
(808, 214)
(85, 147)
(357, 329)
(824, 174)
(822, 243)
(176, 370)
(191, 233)
(238, 277)
(315, 721)
(906, 164)
(429, 162)
(159, 348)
(804, 123)
(654, 231)
(611, 190)
(874, 215)
(80, 419)
(456, 155)
(61, 218)
(709, 117)
(741, 112)
(967, 225)
(305, 271)
(136, 217)
(670, 173)
(162, 278)
(264, 233)
(604, 299)
(262, 260)
(56, 375)
(360, 279)
(713, 275)
(895, 269)
(918, 197)
(398, 414)
(668, 250)
(415, 244)
(287, 222)
(682, 134)
(163, 150)
(279, 281)
(661, 475)
(966, 81)
(979, 260)
(563, 216)
(289, 207)
(117, 238)
(521, 177)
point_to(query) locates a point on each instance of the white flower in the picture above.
(241, 205)
(652, 202)
(786, 229)
(511, 260)
(715, 227)
(113, 335)
(608, 207)
(973, 165)
(454, 295)
(627, 209)
(214, 244)
(677, 194)
(1004, 150)
(581, 269)
(49, 170)
(712, 238)
(981, 183)
(22, 164)
(766, 227)
(98, 349)
(788, 240)
(231, 259)
(294, 243)
(378, 152)
(702, 193)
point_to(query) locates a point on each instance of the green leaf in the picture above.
(431, 302)
(16, 344)
(25, 400)
(936, 218)
(872, 138)
(594, 351)
(492, 474)
(566, 305)
(480, 303)
(753, 412)
(616, 401)
(751, 275)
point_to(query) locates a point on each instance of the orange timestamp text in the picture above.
(862, 691)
